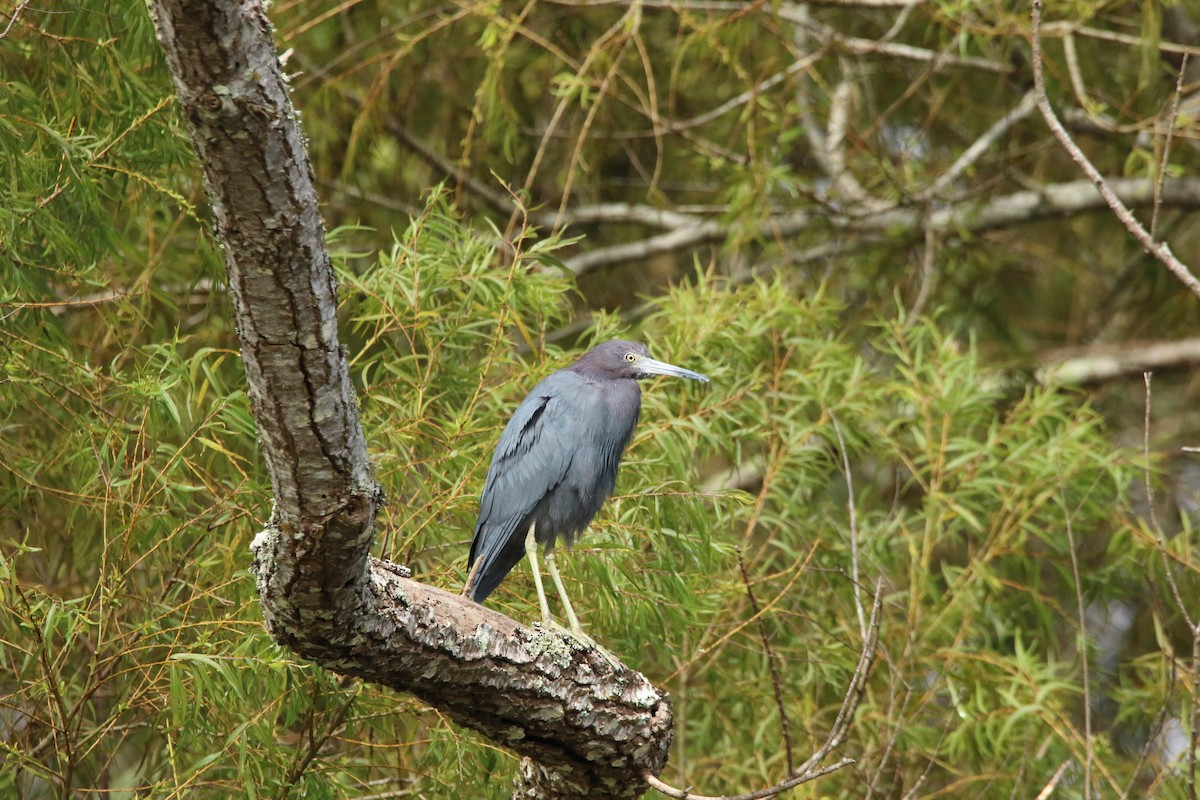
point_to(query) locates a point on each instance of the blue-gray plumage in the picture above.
(556, 464)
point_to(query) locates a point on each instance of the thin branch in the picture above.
(855, 574)
(925, 288)
(730, 6)
(1194, 748)
(1160, 250)
(1194, 722)
(1063, 29)
(315, 742)
(462, 177)
(1076, 74)
(772, 667)
(779, 788)
(628, 213)
(858, 683)
(1194, 712)
(863, 47)
(738, 100)
(1166, 154)
(13, 18)
(1158, 530)
(1051, 784)
(981, 145)
(808, 771)
(846, 187)
(1081, 610)
(798, 13)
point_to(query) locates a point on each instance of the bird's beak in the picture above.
(651, 367)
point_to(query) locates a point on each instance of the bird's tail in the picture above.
(494, 552)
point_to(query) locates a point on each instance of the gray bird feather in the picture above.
(557, 459)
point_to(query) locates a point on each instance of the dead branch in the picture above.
(1054, 200)
(1098, 363)
(12, 18)
(1120, 210)
(981, 145)
(810, 770)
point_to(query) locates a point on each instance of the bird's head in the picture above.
(621, 359)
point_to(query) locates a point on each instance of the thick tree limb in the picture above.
(591, 730)
(1099, 363)
(1054, 200)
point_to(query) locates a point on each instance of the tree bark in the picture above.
(588, 728)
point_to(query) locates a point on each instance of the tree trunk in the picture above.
(589, 729)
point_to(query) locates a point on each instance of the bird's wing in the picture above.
(531, 458)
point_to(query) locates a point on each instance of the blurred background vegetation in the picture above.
(781, 195)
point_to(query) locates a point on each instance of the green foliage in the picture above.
(1003, 519)
(135, 626)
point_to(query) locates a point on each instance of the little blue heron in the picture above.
(556, 464)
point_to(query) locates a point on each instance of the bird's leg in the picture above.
(531, 553)
(552, 568)
(576, 631)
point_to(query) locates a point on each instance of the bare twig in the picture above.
(1076, 74)
(981, 145)
(798, 13)
(317, 741)
(628, 27)
(1162, 536)
(1160, 250)
(1193, 625)
(730, 6)
(1136, 775)
(1062, 29)
(13, 18)
(930, 762)
(629, 213)
(1084, 657)
(1052, 784)
(845, 186)
(928, 257)
(897, 24)
(772, 791)
(862, 47)
(738, 100)
(809, 770)
(854, 563)
(1193, 753)
(1166, 153)
(772, 667)
(494, 197)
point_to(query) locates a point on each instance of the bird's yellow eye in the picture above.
(631, 357)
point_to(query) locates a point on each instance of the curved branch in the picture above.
(811, 769)
(1159, 250)
(589, 728)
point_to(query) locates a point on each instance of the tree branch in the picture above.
(1099, 363)
(1055, 200)
(811, 770)
(591, 729)
(1159, 250)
